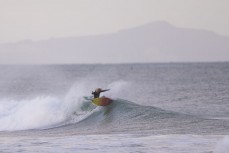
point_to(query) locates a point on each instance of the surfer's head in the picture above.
(98, 90)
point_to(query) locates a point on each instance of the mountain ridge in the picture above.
(152, 42)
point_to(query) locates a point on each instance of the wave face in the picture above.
(68, 115)
(73, 114)
(125, 116)
(49, 112)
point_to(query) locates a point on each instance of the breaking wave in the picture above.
(73, 113)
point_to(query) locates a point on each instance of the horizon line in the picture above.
(126, 63)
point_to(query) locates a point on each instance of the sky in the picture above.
(45, 19)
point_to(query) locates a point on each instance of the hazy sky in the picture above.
(44, 19)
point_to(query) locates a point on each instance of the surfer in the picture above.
(97, 92)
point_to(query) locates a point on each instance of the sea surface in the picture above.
(156, 108)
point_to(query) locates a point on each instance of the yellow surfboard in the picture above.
(102, 101)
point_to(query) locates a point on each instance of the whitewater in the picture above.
(179, 107)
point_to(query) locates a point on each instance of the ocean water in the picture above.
(159, 108)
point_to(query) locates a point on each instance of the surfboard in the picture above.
(102, 101)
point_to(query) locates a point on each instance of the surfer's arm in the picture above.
(105, 90)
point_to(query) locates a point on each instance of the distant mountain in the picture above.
(153, 42)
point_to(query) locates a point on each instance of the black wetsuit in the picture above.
(96, 94)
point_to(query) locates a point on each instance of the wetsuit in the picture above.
(96, 94)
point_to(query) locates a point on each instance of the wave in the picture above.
(119, 115)
(75, 114)
(43, 112)
(126, 116)
(30, 114)
(51, 112)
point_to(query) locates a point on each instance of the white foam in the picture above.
(119, 89)
(40, 112)
(29, 114)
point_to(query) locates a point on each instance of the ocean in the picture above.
(156, 108)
